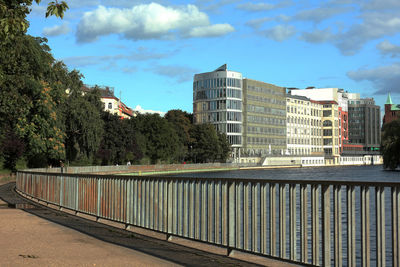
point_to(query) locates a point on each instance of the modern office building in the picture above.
(392, 111)
(364, 125)
(264, 119)
(251, 113)
(304, 126)
(217, 99)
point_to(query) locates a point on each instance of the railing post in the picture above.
(351, 227)
(282, 220)
(380, 226)
(365, 227)
(338, 225)
(315, 224)
(263, 218)
(304, 223)
(395, 226)
(326, 225)
(231, 215)
(292, 217)
(272, 219)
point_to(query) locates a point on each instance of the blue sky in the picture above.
(150, 50)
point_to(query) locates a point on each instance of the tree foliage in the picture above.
(390, 146)
(46, 117)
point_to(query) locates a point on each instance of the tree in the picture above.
(162, 141)
(182, 125)
(83, 123)
(205, 144)
(224, 148)
(390, 145)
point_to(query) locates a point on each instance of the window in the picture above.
(110, 105)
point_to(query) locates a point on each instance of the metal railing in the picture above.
(326, 223)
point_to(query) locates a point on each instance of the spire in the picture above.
(389, 100)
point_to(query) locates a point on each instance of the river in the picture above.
(335, 173)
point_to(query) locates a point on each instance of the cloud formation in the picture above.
(387, 48)
(280, 33)
(148, 21)
(56, 30)
(319, 14)
(82, 61)
(179, 73)
(384, 79)
(317, 36)
(256, 6)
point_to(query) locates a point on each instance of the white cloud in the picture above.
(280, 33)
(147, 21)
(56, 30)
(381, 5)
(317, 36)
(384, 79)
(211, 30)
(142, 54)
(374, 26)
(179, 73)
(139, 109)
(257, 23)
(387, 48)
(321, 13)
(256, 7)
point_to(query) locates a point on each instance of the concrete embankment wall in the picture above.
(159, 168)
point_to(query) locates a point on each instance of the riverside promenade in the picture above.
(34, 235)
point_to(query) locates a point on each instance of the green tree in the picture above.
(205, 143)
(162, 141)
(83, 124)
(390, 145)
(182, 125)
(224, 148)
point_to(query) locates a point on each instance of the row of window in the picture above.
(266, 100)
(235, 139)
(266, 110)
(300, 131)
(265, 141)
(234, 128)
(266, 130)
(304, 121)
(218, 93)
(266, 120)
(217, 82)
(275, 91)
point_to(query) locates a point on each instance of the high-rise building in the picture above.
(304, 126)
(364, 124)
(264, 118)
(217, 99)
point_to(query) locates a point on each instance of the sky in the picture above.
(149, 51)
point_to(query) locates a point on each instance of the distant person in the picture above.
(128, 163)
(62, 166)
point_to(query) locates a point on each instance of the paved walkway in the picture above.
(32, 235)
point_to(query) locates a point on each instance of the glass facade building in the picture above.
(217, 99)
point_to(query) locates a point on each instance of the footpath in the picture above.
(34, 235)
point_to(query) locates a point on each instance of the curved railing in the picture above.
(312, 222)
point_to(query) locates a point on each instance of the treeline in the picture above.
(46, 118)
